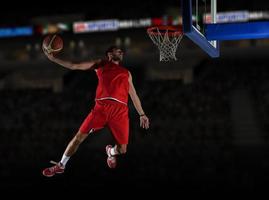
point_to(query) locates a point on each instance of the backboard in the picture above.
(200, 24)
(195, 18)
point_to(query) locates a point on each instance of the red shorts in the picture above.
(111, 113)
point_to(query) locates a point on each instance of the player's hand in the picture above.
(144, 122)
(46, 52)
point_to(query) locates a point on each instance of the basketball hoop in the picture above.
(167, 39)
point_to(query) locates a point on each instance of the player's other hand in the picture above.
(144, 122)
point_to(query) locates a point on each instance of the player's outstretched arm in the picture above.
(144, 120)
(73, 66)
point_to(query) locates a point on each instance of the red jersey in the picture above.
(112, 82)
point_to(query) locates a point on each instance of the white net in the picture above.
(167, 41)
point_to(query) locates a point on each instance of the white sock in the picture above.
(64, 160)
(113, 151)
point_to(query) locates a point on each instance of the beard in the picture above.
(116, 58)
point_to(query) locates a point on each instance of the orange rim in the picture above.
(171, 30)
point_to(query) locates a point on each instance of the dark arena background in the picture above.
(209, 117)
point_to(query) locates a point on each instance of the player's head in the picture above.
(114, 53)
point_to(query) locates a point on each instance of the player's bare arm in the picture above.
(70, 65)
(144, 120)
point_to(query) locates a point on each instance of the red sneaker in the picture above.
(58, 168)
(111, 160)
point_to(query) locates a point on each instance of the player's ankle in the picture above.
(113, 151)
(61, 165)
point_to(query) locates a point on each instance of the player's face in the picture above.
(117, 55)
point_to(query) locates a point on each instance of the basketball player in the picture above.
(114, 85)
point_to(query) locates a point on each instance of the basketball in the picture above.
(52, 44)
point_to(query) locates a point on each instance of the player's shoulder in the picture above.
(104, 62)
(101, 63)
(126, 70)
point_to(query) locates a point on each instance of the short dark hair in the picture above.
(111, 48)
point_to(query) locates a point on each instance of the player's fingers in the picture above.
(44, 50)
(147, 124)
(144, 124)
